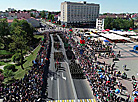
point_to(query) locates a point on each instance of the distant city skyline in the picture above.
(106, 6)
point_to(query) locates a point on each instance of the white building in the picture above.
(100, 23)
(77, 13)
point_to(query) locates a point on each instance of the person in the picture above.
(124, 67)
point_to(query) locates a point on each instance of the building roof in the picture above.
(123, 32)
(113, 16)
(112, 36)
(79, 3)
(11, 20)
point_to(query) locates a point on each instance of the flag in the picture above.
(46, 59)
(82, 41)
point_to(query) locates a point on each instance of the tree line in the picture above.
(118, 23)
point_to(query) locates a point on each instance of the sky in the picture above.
(106, 6)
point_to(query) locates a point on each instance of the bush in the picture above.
(8, 73)
(2, 63)
(9, 67)
(16, 58)
(1, 71)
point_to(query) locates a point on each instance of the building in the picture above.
(79, 13)
(100, 23)
(19, 15)
(10, 9)
(100, 19)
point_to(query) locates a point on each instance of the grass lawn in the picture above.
(39, 36)
(4, 52)
(27, 65)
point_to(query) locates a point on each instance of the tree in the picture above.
(104, 13)
(24, 10)
(52, 17)
(15, 10)
(4, 32)
(17, 58)
(108, 23)
(10, 67)
(32, 15)
(49, 15)
(19, 43)
(8, 70)
(25, 26)
(43, 14)
(118, 23)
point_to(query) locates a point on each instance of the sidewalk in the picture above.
(125, 82)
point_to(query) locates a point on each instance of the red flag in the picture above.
(46, 59)
(82, 41)
(63, 25)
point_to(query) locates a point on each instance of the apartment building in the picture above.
(79, 13)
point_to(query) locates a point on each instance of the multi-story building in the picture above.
(79, 13)
(100, 23)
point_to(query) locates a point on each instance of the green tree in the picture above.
(9, 67)
(8, 70)
(4, 32)
(108, 23)
(43, 14)
(24, 10)
(32, 15)
(8, 73)
(25, 26)
(52, 17)
(16, 58)
(19, 43)
(49, 15)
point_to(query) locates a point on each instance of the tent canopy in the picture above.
(106, 41)
(135, 47)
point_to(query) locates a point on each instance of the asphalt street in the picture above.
(59, 83)
(61, 86)
(83, 89)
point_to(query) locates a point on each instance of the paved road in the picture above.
(82, 86)
(59, 83)
(83, 89)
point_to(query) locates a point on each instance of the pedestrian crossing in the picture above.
(78, 100)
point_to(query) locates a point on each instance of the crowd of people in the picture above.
(101, 76)
(28, 89)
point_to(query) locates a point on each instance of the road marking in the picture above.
(89, 100)
(63, 76)
(94, 100)
(80, 100)
(58, 86)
